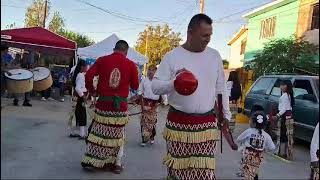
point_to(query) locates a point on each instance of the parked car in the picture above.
(265, 92)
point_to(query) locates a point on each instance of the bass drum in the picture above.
(19, 81)
(42, 79)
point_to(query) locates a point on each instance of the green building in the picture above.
(277, 19)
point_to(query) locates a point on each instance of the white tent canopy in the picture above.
(106, 46)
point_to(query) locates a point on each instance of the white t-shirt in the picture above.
(315, 144)
(229, 87)
(207, 67)
(145, 89)
(284, 104)
(80, 84)
(253, 139)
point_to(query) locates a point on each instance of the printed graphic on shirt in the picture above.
(257, 141)
(114, 79)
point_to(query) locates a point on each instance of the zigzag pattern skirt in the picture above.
(106, 134)
(191, 145)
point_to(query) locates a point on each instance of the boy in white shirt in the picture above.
(255, 140)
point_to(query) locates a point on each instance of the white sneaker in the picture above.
(152, 142)
(51, 99)
(143, 144)
(43, 99)
(62, 100)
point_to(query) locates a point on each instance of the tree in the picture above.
(57, 23)
(35, 13)
(225, 64)
(80, 39)
(287, 55)
(156, 41)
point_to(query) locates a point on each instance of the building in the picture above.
(237, 48)
(308, 21)
(277, 19)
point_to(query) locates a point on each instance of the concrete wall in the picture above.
(235, 59)
(286, 25)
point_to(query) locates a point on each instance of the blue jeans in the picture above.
(61, 88)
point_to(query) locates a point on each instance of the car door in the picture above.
(304, 110)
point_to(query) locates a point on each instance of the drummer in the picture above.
(6, 59)
(26, 102)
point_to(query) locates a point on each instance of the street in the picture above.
(35, 144)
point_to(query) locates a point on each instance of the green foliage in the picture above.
(156, 41)
(80, 39)
(225, 64)
(57, 23)
(287, 55)
(35, 13)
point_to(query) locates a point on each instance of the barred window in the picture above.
(315, 17)
(268, 27)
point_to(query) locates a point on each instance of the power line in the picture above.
(116, 14)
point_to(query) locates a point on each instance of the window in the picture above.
(262, 86)
(243, 46)
(302, 87)
(267, 27)
(315, 17)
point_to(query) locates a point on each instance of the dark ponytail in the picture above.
(259, 119)
(77, 70)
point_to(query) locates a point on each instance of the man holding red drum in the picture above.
(192, 75)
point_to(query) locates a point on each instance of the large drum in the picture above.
(19, 81)
(42, 78)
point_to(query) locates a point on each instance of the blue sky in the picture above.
(177, 13)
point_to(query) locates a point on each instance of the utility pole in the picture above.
(45, 13)
(146, 52)
(201, 6)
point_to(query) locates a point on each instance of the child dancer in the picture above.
(284, 144)
(149, 102)
(78, 81)
(255, 141)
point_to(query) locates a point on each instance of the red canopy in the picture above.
(38, 39)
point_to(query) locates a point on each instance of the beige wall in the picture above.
(235, 59)
(304, 20)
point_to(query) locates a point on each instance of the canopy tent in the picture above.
(38, 39)
(105, 47)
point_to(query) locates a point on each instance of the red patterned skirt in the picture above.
(191, 145)
(106, 132)
(148, 119)
(251, 163)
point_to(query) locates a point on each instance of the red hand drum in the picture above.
(185, 83)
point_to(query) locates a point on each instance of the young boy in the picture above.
(314, 153)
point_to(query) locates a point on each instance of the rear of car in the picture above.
(265, 93)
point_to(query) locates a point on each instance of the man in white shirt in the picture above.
(314, 153)
(191, 130)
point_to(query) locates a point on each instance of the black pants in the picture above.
(283, 130)
(81, 113)
(26, 98)
(46, 93)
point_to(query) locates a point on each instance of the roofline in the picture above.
(266, 7)
(242, 30)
